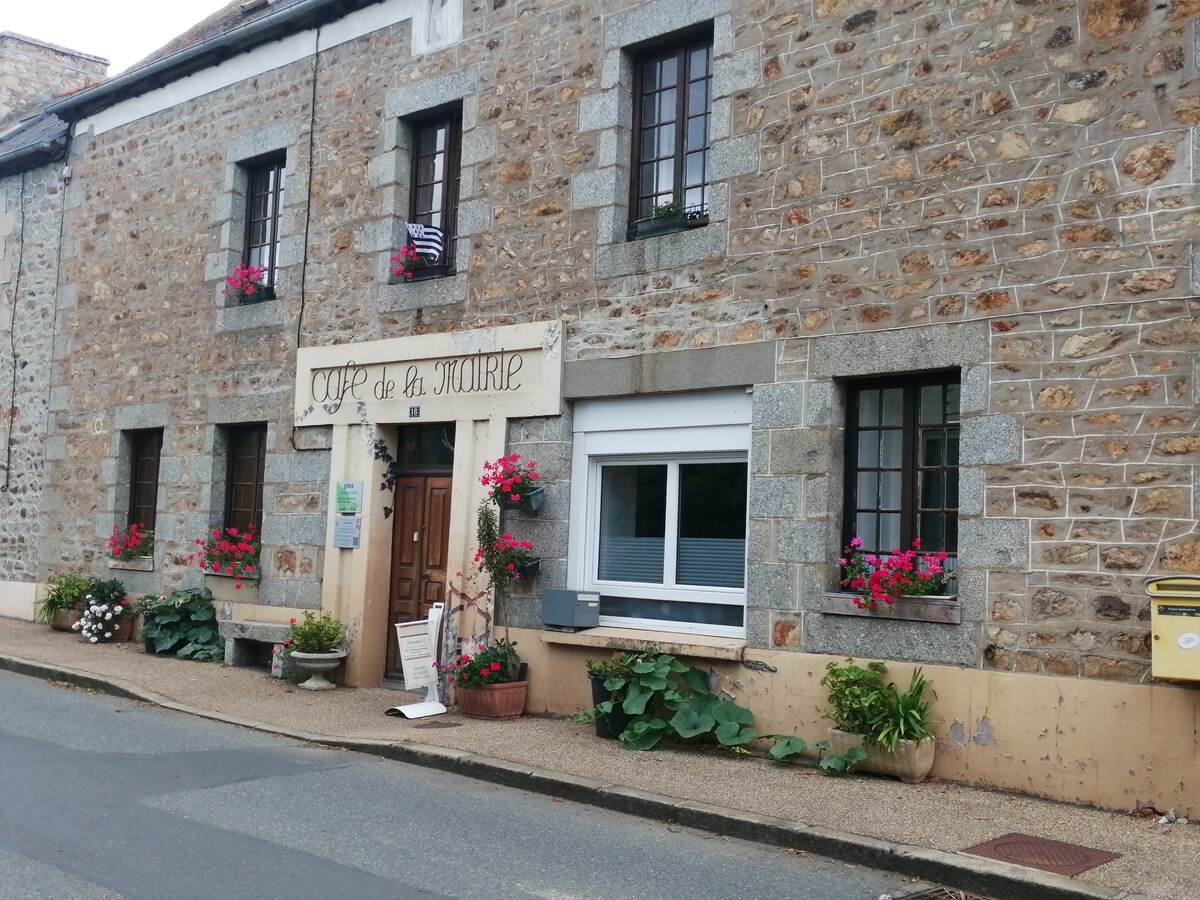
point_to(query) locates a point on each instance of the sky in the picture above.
(122, 31)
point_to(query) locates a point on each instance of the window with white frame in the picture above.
(659, 510)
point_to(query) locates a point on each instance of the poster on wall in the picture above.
(347, 532)
(349, 497)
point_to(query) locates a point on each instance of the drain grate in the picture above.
(439, 725)
(1042, 853)
(941, 893)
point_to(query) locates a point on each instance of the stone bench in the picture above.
(240, 636)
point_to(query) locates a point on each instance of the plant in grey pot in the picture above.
(893, 728)
(316, 645)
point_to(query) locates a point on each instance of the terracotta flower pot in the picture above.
(493, 701)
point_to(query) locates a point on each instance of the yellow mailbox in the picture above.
(1175, 626)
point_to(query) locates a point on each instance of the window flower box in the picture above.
(932, 608)
(231, 589)
(137, 564)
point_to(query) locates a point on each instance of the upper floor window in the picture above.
(902, 463)
(264, 198)
(672, 106)
(246, 456)
(145, 452)
(433, 196)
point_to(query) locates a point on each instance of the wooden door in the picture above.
(420, 536)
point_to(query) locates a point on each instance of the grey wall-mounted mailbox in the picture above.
(570, 609)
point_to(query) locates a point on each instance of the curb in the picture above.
(992, 878)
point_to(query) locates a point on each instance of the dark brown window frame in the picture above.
(447, 190)
(642, 221)
(272, 167)
(245, 464)
(145, 458)
(911, 466)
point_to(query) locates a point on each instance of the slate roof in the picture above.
(236, 28)
(31, 141)
(229, 17)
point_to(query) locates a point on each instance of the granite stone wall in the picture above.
(30, 212)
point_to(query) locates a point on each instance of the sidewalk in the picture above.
(912, 829)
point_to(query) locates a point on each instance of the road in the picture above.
(102, 798)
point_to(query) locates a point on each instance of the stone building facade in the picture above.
(994, 202)
(32, 70)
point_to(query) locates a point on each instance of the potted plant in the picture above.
(245, 285)
(183, 623)
(904, 584)
(63, 595)
(610, 718)
(229, 553)
(316, 645)
(133, 545)
(666, 698)
(512, 483)
(893, 728)
(490, 684)
(104, 614)
(409, 265)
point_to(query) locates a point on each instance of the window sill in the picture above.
(137, 564)
(606, 637)
(428, 273)
(646, 228)
(946, 610)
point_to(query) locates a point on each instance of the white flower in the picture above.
(108, 634)
(93, 640)
(107, 616)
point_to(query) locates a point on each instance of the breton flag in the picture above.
(426, 239)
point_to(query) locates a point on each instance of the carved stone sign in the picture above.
(514, 370)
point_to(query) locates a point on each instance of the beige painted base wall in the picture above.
(16, 599)
(1078, 740)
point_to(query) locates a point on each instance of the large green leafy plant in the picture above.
(668, 698)
(183, 623)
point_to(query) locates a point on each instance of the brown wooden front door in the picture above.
(420, 537)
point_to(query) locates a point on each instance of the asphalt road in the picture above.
(101, 798)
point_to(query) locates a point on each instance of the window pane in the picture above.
(867, 530)
(697, 133)
(932, 404)
(632, 523)
(952, 446)
(931, 447)
(868, 448)
(666, 105)
(698, 62)
(891, 449)
(712, 525)
(889, 490)
(931, 490)
(868, 490)
(951, 488)
(668, 70)
(933, 531)
(728, 615)
(952, 401)
(697, 97)
(892, 406)
(889, 532)
(695, 168)
(868, 407)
